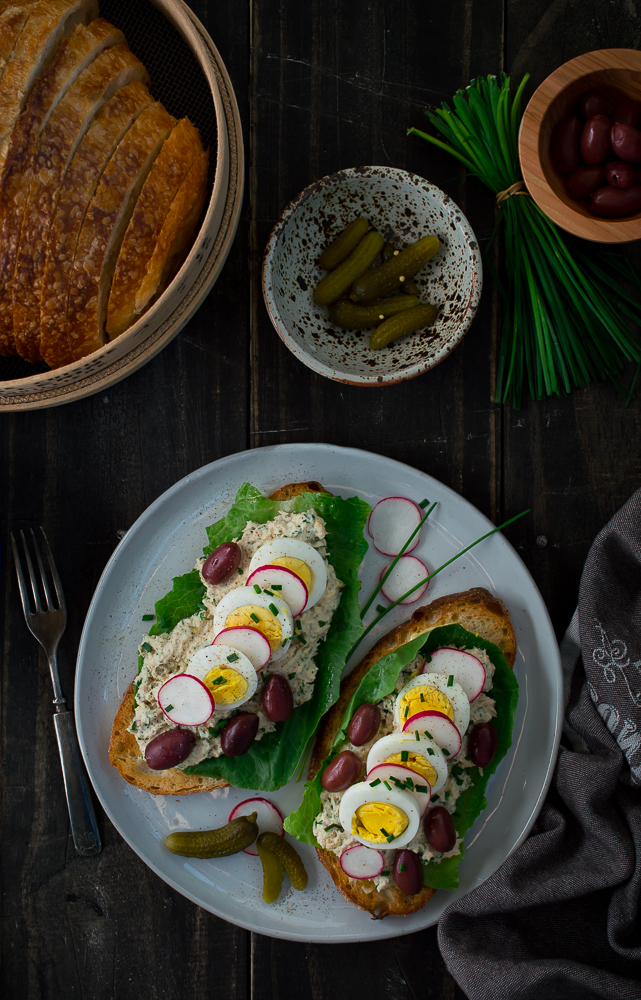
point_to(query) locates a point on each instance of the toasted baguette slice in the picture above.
(78, 188)
(111, 71)
(124, 752)
(479, 612)
(47, 24)
(143, 237)
(77, 51)
(105, 226)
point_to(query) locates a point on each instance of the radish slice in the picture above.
(438, 728)
(185, 700)
(398, 775)
(468, 671)
(268, 817)
(392, 522)
(247, 640)
(406, 574)
(289, 585)
(359, 861)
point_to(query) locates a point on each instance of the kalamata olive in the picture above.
(584, 180)
(169, 749)
(593, 102)
(482, 743)
(439, 829)
(626, 113)
(618, 174)
(595, 139)
(565, 144)
(222, 562)
(626, 143)
(364, 724)
(408, 872)
(342, 772)
(239, 734)
(613, 203)
(278, 701)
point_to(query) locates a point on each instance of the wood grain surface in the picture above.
(321, 86)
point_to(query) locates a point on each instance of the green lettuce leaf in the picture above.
(379, 681)
(271, 761)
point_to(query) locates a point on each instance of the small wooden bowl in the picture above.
(614, 71)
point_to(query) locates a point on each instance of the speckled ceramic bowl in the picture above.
(403, 207)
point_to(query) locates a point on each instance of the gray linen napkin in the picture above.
(560, 918)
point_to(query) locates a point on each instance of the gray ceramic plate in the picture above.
(403, 207)
(165, 542)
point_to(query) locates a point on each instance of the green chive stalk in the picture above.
(566, 314)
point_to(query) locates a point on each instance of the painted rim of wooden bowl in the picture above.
(549, 103)
(467, 308)
(164, 320)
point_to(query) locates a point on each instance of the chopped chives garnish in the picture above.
(373, 784)
(298, 625)
(429, 736)
(417, 736)
(322, 624)
(302, 639)
(430, 751)
(257, 588)
(232, 657)
(385, 873)
(240, 572)
(291, 675)
(381, 608)
(277, 586)
(219, 680)
(406, 712)
(333, 826)
(420, 788)
(450, 680)
(274, 610)
(447, 795)
(404, 756)
(397, 782)
(422, 698)
(384, 832)
(390, 837)
(169, 708)
(133, 726)
(388, 786)
(444, 750)
(201, 606)
(147, 618)
(409, 783)
(254, 617)
(147, 647)
(401, 867)
(268, 592)
(423, 504)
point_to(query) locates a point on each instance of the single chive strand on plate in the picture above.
(391, 566)
(431, 576)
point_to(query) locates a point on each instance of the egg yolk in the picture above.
(415, 762)
(379, 822)
(262, 619)
(424, 698)
(226, 685)
(298, 567)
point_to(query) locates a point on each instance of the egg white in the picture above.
(397, 742)
(210, 657)
(294, 548)
(453, 692)
(362, 792)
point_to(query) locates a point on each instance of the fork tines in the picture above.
(43, 582)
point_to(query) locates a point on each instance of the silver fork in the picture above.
(47, 625)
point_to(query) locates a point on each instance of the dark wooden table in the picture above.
(321, 86)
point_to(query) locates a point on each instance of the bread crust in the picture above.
(124, 752)
(476, 610)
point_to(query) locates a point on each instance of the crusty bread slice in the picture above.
(111, 71)
(76, 193)
(153, 240)
(476, 610)
(47, 24)
(12, 20)
(105, 226)
(124, 752)
(291, 490)
(78, 50)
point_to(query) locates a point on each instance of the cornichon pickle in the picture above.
(409, 287)
(404, 322)
(352, 317)
(342, 246)
(230, 839)
(379, 281)
(272, 872)
(336, 283)
(287, 855)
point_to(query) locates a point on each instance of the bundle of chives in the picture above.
(566, 311)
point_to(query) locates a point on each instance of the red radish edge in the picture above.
(295, 606)
(201, 719)
(440, 729)
(361, 857)
(380, 531)
(406, 574)
(467, 669)
(244, 628)
(269, 818)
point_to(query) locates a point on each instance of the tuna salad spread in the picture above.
(270, 596)
(417, 757)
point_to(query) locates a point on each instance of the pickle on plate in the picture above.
(404, 322)
(333, 285)
(287, 855)
(342, 246)
(272, 872)
(350, 316)
(219, 843)
(380, 281)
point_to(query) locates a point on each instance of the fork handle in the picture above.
(84, 827)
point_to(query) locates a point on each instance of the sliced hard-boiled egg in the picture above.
(435, 693)
(299, 557)
(243, 607)
(378, 816)
(227, 674)
(421, 755)
(402, 777)
(284, 583)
